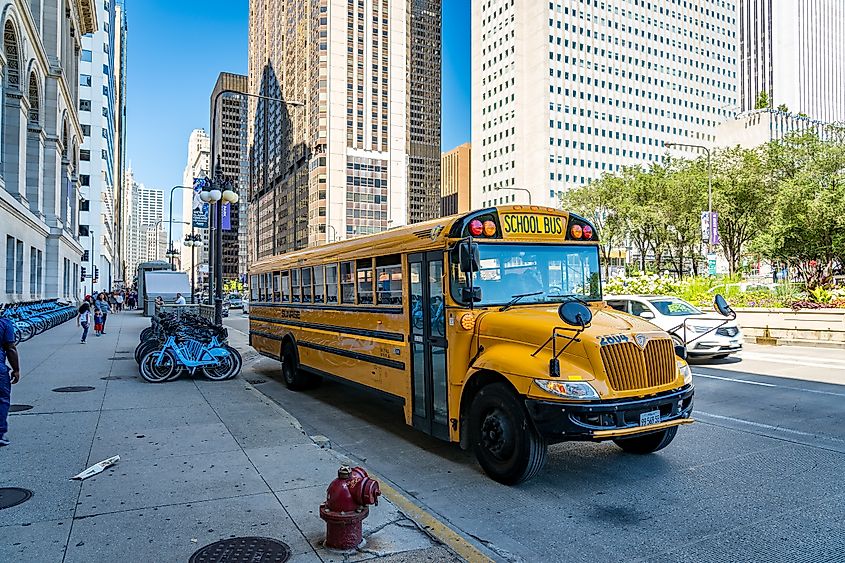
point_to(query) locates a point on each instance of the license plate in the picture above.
(650, 417)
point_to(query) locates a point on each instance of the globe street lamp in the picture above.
(193, 241)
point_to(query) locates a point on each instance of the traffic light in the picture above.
(82, 275)
(96, 274)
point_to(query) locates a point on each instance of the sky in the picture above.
(176, 50)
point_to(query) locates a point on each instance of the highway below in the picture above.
(759, 477)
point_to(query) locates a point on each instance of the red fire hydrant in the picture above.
(346, 507)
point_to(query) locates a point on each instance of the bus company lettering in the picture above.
(289, 313)
(533, 224)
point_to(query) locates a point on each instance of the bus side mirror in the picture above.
(681, 351)
(575, 313)
(468, 257)
(470, 294)
(722, 307)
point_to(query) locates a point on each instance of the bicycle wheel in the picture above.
(223, 370)
(157, 371)
(144, 348)
(237, 364)
(147, 333)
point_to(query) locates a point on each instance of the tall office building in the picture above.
(100, 112)
(147, 234)
(199, 147)
(39, 149)
(119, 58)
(792, 50)
(565, 91)
(230, 151)
(368, 72)
(455, 180)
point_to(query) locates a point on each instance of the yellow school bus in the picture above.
(490, 326)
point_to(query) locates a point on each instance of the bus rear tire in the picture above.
(649, 443)
(295, 379)
(506, 444)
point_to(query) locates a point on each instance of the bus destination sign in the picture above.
(531, 224)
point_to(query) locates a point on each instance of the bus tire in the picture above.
(506, 444)
(295, 378)
(649, 443)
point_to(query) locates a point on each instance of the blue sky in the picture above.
(176, 50)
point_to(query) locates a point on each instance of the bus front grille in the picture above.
(630, 367)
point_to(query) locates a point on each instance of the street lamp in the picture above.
(709, 189)
(193, 241)
(170, 223)
(228, 195)
(526, 190)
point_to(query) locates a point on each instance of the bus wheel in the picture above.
(649, 443)
(506, 444)
(295, 378)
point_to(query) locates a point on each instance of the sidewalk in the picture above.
(200, 461)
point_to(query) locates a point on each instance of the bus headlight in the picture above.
(685, 370)
(568, 389)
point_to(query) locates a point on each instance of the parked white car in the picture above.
(668, 313)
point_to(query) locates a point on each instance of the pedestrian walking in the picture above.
(83, 319)
(8, 377)
(102, 305)
(119, 299)
(98, 322)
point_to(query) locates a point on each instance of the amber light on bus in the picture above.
(477, 228)
(579, 232)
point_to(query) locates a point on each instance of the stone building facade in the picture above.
(41, 133)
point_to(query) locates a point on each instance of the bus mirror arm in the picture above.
(468, 261)
(554, 363)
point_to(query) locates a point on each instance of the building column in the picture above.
(15, 120)
(34, 169)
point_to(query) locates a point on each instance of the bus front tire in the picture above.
(295, 378)
(649, 443)
(506, 444)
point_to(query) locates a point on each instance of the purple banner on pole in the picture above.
(227, 218)
(714, 229)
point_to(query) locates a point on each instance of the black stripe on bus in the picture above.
(395, 336)
(355, 355)
(346, 307)
(266, 335)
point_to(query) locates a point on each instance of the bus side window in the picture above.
(294, 282)
(261, 287)
(305, 278)
(331, 283)
(285, 287)
(253, 288)
(275, 287)
(389, 280)
(319, 287)
(347, 282)
(365, 281)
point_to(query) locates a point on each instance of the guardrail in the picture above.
(201, 309)
(807, 327)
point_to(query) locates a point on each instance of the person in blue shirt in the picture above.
(102, 305)
(8, 352)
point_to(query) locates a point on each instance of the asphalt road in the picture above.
(759, 477)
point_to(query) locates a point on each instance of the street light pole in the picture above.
(709, 190)
(170, 226)
(526, 190)
(217, 178)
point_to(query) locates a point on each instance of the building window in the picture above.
(86, 130)
(84, 205)
(10, 264)
(85, 80)
(86, 55)
(84, 154)
(84, 105)
(84, 180)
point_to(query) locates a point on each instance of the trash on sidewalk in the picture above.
(96, 468)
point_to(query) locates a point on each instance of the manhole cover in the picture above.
(112, 377)
(73, 389)
(257, 381)
(20, 408)
(13, 496)
(248, 549)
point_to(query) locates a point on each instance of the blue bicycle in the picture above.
(216, 361)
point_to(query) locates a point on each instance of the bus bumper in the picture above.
(603, 420)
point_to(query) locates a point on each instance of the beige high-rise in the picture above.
(455, 184)
(362, 155)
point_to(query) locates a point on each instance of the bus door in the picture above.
(428, 344)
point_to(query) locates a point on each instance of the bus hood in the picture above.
(510, 337)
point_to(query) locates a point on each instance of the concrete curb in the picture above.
(426, 521)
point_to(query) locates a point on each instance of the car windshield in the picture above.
(674, 307)
(551, 273)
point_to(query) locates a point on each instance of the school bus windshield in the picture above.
(544, 273)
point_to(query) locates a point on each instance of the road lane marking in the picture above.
(761, 384)
(794, 360)
(768, 426)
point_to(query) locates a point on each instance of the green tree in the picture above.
(742, 197)
(763, 100)
(783, 108)
(684, 197)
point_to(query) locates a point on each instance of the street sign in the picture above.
(714, 229)
(710, 227)
(711, 264)
(226, 219)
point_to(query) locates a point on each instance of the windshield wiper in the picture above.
(517, 297)
(572, 297)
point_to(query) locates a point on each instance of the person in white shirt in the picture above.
(84, 320)
(179, 299)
